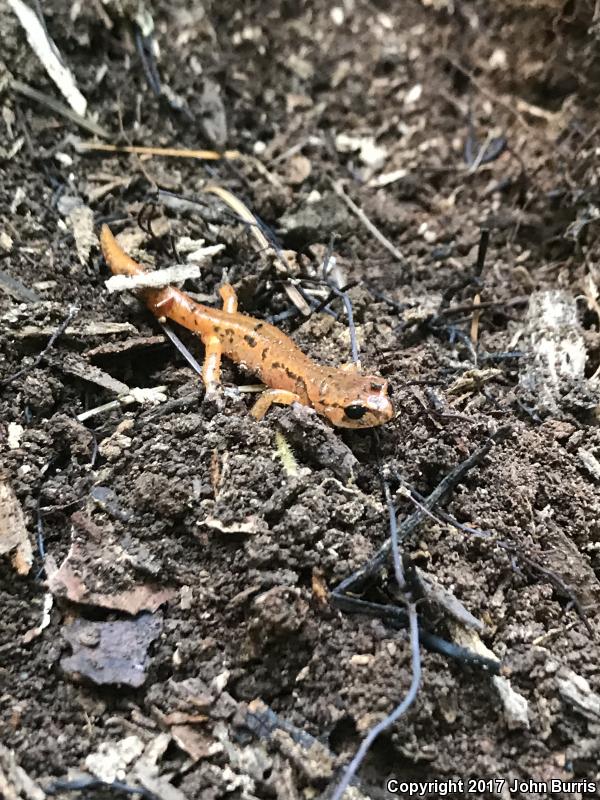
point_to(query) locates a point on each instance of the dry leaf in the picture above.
(94, 565)
(13, 533)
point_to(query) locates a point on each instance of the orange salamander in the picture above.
(341, 394)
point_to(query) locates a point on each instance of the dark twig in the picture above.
(396, 713)
(340, 597)
(81, 785)
(40, 529)
(557, 582)
(73, 311)
(144, 48)
(484, 240)
(397, 617)
(372, 567)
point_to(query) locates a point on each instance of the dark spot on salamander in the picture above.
(251, 340)
(265, 353)
(258, 326)
(377, 387)
(301, 386)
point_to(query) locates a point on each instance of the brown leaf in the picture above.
(13, 533)
(93, 566)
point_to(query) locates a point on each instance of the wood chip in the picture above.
(178, 273)
(79, 331)
(80, 368)
(108, 653)
(81, 219)
(126, 346)
(196, 744)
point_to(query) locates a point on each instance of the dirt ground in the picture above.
(222, 536)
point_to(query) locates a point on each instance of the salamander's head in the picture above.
(351, 400)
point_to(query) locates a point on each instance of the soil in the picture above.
(195, 498)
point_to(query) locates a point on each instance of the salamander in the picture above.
(342, 395)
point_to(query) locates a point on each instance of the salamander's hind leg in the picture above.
(229, 297)
(266, 400)
(211, 369)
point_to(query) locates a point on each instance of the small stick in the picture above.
(124, 400)
(398, 618)
(484, 240)
(338, 189)
(73, 311)
(181, 347)
(173, 152)
(475, 319)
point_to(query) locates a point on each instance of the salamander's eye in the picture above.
(355, 411)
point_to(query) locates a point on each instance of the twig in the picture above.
(181, 347)
(124, 400)
(396, 713)
(47, 52)
(73, 311)
(59, 108)
(144, 48)
(372, 567)
(338, 189)
(173, 152)
(398, 617)
(81, 785)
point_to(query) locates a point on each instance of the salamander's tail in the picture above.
(118, 261)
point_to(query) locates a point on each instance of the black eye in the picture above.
(355, 412)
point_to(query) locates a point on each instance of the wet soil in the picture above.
(196, 497)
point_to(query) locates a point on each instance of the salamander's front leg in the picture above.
(211, 369)
(266, 400)
(229, 297)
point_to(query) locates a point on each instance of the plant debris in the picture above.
(111, 653)
(14, 538)
(95, 563)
